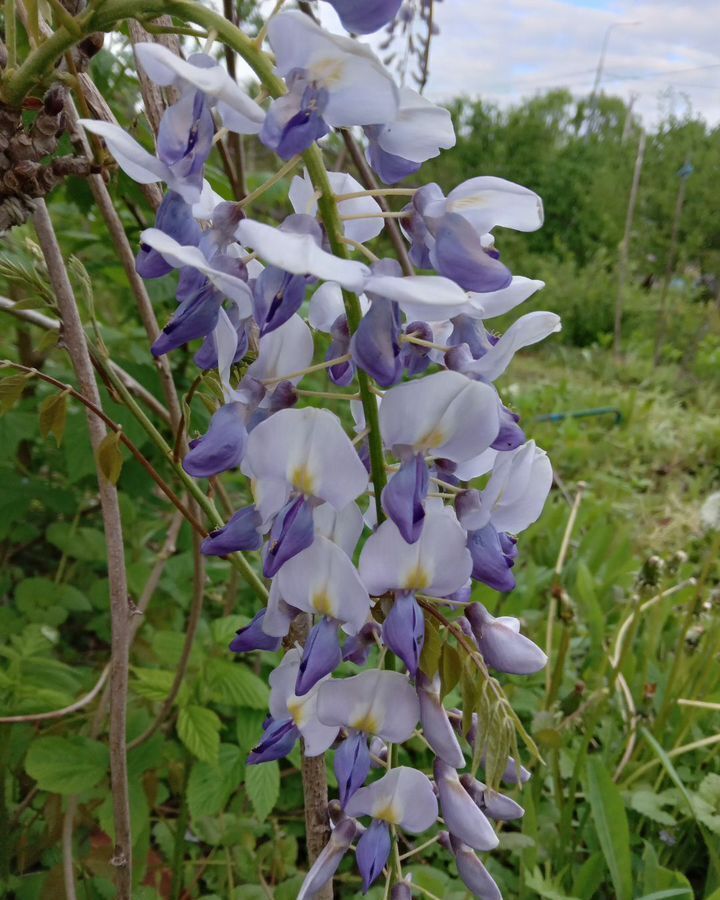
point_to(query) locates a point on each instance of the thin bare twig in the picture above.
(67, 848)
(122, 437)
(32, 317)
(86, 700)
(192, 625)
(119, 614)
(314, 779)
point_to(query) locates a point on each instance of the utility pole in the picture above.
(627, 124)
(624, 247)
(683, 175)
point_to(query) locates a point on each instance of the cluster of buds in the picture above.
(26, 174)
(376, 563)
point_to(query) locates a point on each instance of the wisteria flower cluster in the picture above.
(384, 566)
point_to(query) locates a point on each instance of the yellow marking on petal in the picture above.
(417, 579)
(367, 723)
(322, 603)
(434, 438)
(388, 813)
(296, 708)
(303, 480)
(330, 71)
(470, 202)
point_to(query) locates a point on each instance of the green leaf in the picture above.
(53, 416)
(432, 648)
(153, 684)
(11, 389)
(262, 783)
(677, 781)
(109, 457)
(210, 786)
(544, 887)
(450, 668)
(87, 544)
(611, 826)
(232, 683)
(670, 892)
(66, 765)
(650, 803)
(34, 596)
(199, 730)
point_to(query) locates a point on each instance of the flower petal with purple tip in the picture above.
(404, 631)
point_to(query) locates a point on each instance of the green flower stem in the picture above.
(40, 62)
(10, 33)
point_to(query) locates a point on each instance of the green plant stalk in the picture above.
(205, 503)
(11, 33)
(39, 64)
(690, 613)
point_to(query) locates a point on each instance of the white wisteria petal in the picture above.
(300, 255)
(361, 90)
(308, 449)
(502, 645)
(487, 202)
(426, 297)
(132, 158)
(420, 130)
(377, 701)
(269, 495)
(283, 351)
(463, 817)
(326, 304)
(205, 206)
(518, 487)
(403, 797)
(447, 414)
(239, 112)
(278, 615)
(527, 330)
(303, 710)
(438, 562)
(323, 580)
(496, 303)
(303, 199)
(477, 466)
(226, 340)
(343, 527)
(180, 255)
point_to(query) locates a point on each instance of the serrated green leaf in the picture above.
(53, 416)
(87, 544)
(248, 727)
(66, 765)
(262, 783)
(650, 803)
(109, 457)
(432, 648)
(611, 826)
(199, 729)
(232, 683)
(450, 668)
(210, 786)
(153, 684)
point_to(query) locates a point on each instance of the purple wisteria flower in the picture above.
(367, 537)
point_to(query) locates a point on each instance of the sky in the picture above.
(504, 50)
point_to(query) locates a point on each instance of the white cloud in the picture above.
(504, 51)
